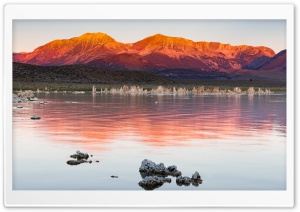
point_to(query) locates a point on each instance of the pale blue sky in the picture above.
(30, 34)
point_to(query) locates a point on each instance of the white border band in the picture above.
(15, 198)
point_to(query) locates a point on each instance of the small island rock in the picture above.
(150, 167)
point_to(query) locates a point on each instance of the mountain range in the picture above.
(159, 54)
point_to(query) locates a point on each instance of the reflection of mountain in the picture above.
(173, 121)
(154, 53)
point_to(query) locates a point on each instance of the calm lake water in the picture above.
(234, 142)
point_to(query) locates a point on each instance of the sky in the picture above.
(30, 34)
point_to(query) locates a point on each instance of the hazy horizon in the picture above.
(30, 34)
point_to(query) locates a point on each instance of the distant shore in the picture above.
(208, 84)
(82, 78)
(30, 95)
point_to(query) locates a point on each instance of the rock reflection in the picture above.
(153, 182)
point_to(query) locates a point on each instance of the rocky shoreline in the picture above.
(29, 95)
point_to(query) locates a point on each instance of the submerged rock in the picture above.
(153, 182)
(150, 168)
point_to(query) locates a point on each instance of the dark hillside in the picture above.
(82, 74)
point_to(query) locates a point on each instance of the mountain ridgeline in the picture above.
(172, 57)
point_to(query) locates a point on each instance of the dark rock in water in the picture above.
(81, 158)
(196, 184)
(172, 168)
(76, 162)
(91, 155)
(79, 155)
(195, 180)
(153, 182)
(97, 161)
(196, 176)
(154, 175)
(150, 168)
(114, 176)
(35, 117)
(183, 180)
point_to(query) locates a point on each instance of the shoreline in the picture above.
(29, 95)
(208, 84)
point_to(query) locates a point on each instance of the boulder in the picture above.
(79, 155)
(151, 168)
(195, 180)
(183, 180)
(196, 176)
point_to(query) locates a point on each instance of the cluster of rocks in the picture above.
(148, 167)
(80, 158)
(195, 180)
(23, 96)
(155, 175)
(161, 90)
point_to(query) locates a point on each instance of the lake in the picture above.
(235, 142)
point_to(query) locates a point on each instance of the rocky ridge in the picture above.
(157, 52)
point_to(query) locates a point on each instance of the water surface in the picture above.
(234, 142)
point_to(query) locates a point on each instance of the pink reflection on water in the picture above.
(97, 126)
